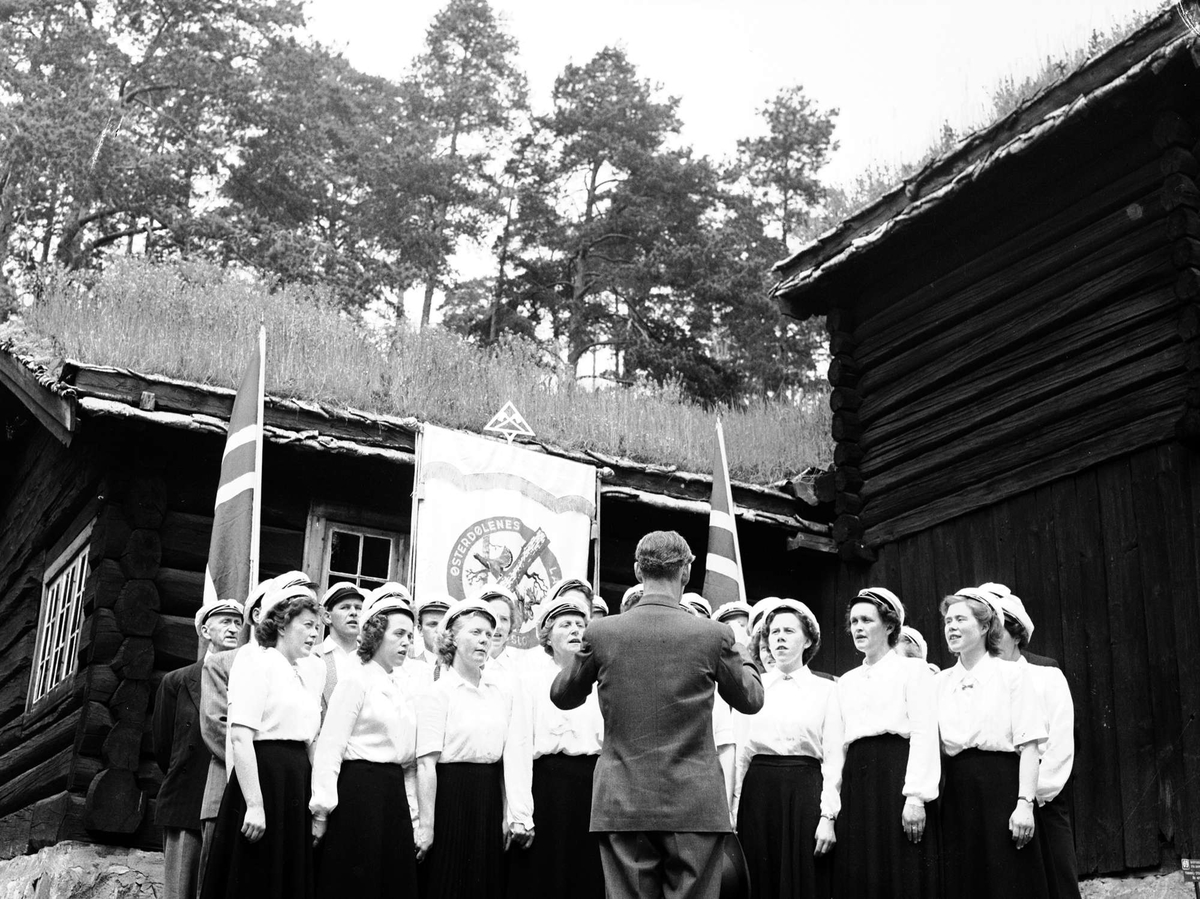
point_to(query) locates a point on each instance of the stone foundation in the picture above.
(1161, 884)
(83, 871)
(88, 871)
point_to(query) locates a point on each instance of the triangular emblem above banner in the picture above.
(509, 422)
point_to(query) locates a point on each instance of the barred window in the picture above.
(56, 651)
(363, 557)
(344, 544)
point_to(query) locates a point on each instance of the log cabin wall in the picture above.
(83, 767)
(1106, 562)
(48, 495)
(1046, 348)
(1016, 398)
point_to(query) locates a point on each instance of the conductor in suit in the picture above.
(182, 755)
(658, 795)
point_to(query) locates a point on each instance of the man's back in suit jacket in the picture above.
(656, 667)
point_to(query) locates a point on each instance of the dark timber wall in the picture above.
(47, 496)
(1046, 349)
(1016, 380)
(1114, 592)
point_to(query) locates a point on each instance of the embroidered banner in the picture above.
(490, 513)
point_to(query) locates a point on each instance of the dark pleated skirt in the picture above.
(873, 859)
(280, 864)
(777, 822)
(368, 850)
(981, 859)
(467, 856)
(564, 859)
(1056, 836)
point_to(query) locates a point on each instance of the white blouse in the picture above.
(273, 697)
(1058, 752)
(506, 668)
(723, 729)
(578, 731)
(896, 695)
(484, 724)
(414, 677)
(369, 719)
(994, 707)
(799, 716)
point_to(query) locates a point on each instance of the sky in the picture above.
(894, 69)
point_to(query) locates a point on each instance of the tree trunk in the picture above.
(498, 288)
(427, 305)
(48, 234)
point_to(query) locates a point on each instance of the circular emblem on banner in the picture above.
(502, 549)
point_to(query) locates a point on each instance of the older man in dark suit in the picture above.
(658, 795)
(182, 755)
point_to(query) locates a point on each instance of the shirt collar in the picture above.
(775, 675)
(454, 679)
(329, 645)
(885, 661)
(372, 670)
(981, 673)
(661, 599)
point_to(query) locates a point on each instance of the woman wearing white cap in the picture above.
(1054, 831)
(912, 644)
(991, 726)
(737, 615)
(564, 860)
(503, 603)
(888, 824)
(365, 754)
(471, 750)
(262, 845)
(760, 649)
(785, 792)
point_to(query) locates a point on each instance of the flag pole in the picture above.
(737, 546)
(723, 578)
(256, 508)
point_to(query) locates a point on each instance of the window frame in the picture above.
(324, 518)
(75, 554)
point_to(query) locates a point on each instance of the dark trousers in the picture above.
(1058, 847)
(181, 862)
(661, 864)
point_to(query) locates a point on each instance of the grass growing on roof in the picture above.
(196, 322)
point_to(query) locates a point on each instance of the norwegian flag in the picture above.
(233, 553)
(723, 568)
